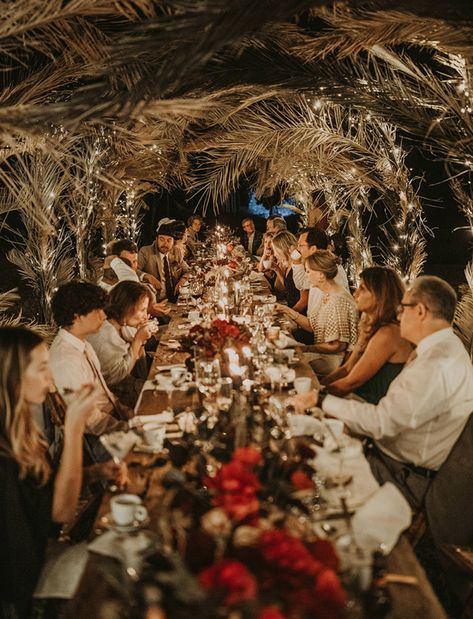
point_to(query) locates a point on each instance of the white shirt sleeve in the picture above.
(412, 400)
(300, 277)
(123, 271)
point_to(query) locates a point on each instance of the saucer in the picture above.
(108, 522)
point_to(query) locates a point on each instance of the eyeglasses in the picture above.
(400, 308)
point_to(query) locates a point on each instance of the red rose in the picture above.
(233, 264)
(232, 579)
(288, 553)
(236, 488)
(323, 550)
(230, 247)
(301, 481)
(328, 589)
(249, 456)
(270, 612)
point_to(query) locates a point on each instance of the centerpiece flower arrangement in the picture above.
(244, 555)
(212, 340)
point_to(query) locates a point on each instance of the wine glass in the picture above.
(118, 444)
(224, 394)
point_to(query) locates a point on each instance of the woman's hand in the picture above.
(144, 333)
(81, 407)
(108, 471)
(280, 307)
(303, 401)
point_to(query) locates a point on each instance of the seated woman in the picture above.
(127, 306)
(334, 318)
(268, 255)
(380, 352)
(283, 244)
(32, 498)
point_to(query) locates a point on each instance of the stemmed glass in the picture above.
(118, 444)
(224, 394)
(207, 375)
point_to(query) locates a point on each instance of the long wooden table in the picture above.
(96, 594)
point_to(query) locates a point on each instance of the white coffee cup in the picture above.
(127, 509)
(303, 384)
(193, 316)
(296, 255)
(267, 264)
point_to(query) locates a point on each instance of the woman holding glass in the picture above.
(32, 496)
(334, 318)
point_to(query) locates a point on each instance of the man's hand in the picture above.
(160, 309)
(303, 401)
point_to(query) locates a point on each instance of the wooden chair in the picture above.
(449, 513)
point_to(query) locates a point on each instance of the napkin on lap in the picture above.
(381, 520)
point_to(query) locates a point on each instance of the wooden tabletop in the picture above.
(96, 595)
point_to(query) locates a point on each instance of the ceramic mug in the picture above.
(303, 384)
(127, 509)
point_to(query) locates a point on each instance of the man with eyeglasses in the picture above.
(310, 241)
(414, 427)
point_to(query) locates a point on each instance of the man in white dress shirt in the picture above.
(310, 241)
(414, 427)
(78, 311)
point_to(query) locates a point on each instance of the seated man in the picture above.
(157, 260)
(78, 309)
(121, 264)
(275, 224)
(194, 224)
(252, 240)
(415, 425)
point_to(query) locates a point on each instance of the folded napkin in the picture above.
(163, 367)
(138, 420)
(380, 521)
(62, 570)
(129, 549)
(303, 425)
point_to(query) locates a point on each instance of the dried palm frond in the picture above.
(463, 321)
(8, 300)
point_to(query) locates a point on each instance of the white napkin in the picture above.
(129, 549)
(303, 425)
(62, 570)
(138, 420)
(381, 519)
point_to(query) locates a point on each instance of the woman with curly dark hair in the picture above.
(380, 352)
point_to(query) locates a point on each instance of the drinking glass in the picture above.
(207, 374)
(225, 394)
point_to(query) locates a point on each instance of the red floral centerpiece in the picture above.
(211, 341)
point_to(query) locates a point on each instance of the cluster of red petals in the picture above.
(249, 456)
(301, 481)
(226, 329)
(283, 551)
(236, 487)
(270, 612)
(231, 579)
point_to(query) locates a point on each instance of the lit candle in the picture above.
(232, 357)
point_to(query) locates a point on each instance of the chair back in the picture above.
(449, 500)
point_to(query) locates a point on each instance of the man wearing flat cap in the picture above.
(158, 260)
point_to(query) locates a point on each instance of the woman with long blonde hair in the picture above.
(283, 243)
(32, 496)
